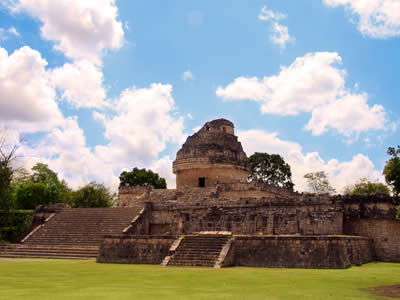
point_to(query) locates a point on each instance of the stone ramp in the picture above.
(202, 250)
(72, 233)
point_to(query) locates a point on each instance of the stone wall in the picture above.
(301, 251)
(249, 216)
(384, 233)
(212, 176)
(128, 195)
(374, 217)
(130, 249)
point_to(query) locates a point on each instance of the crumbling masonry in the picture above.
(216, 218)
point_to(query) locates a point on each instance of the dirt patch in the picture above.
(386, 291)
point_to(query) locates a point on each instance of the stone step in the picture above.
(202, 250)
(9, 255)
(74, 233)
(44, 253)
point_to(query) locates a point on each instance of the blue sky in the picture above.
(100, 86)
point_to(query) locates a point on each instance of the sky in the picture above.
(95, 87)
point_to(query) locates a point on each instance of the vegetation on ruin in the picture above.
(391, 171)
(42, 186)
(77, 279)
(318, 183)
(367, 187)
(142, 177)
(14, 224)
(92, 195)
(270, 169)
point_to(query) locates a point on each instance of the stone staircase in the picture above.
(202, 250)
(72, 233)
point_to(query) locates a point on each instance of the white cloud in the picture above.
(187, 75)
(343, 116)
(143, 122)
(27, 96)
(64, 149)
(376, 18)
(82, 29)
(340, 174)
(279, 33)
(5, 33)
(267, 14)
(312, 83)
(81, 83)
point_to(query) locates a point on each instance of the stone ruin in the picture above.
(215, 217)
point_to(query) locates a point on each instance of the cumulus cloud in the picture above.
(81, 83)
(342, 116)
(279, 33)
(142, 123)
(313, 83)
(81, 29)
(375, 18)
(27, 96)
(64, 149)
(340, 174)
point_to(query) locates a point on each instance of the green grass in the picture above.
(79, 279)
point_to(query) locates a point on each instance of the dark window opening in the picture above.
(202, 182)
(224, 129)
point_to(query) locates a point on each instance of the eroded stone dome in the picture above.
(211, 155)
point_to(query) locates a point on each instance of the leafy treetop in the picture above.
(92, 195)
(270, 169)
(391, 171)
(318, 183)
(367, 187)
(142, 177)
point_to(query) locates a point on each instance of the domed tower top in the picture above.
(211, 155)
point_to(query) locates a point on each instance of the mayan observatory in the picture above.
(216, 218)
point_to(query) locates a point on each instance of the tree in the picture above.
(92, 195)
(270, 169)
(7, 156)
(367, 187)
(142, 177)
(391, 171)
(318, 183)
(40, 187)
(57, 191)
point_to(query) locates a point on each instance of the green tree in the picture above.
(142, 177)
(318, 183)
(31, 194)
(270, 169)
(40, 187)
(7, 156)
(391, 171)
(92, 195)
(367, 187)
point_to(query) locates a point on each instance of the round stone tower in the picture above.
(211, 155)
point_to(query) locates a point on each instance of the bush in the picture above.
(14, 225)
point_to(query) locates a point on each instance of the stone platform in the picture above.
(275, 251)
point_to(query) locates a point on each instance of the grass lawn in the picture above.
(80, 279)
